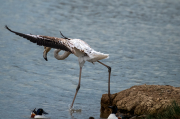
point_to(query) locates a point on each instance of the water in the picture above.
(142, 38)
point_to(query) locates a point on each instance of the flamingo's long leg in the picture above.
(78, 87)
(109, 70)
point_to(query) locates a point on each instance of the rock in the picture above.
(105, 102)
(142, 99)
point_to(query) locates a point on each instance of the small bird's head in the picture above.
(40, 111)
(46, 50)
(114, 109)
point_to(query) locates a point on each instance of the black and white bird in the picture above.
(113, 114)
(38, 114)
(71, 46)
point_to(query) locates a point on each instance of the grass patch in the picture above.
(171, 112)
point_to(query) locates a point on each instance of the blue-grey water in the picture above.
(142, 38)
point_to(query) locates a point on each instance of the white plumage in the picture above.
(112, 116)
(84, 52)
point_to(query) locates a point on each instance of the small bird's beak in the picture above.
(46, 50)
(34, 110)
(44, 112)
(110, 107)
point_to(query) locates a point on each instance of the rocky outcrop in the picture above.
(142, 99)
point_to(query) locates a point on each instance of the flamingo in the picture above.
(71, 46)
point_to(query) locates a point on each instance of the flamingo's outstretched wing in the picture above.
(53, 42)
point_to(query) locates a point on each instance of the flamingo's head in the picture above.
(46, 50)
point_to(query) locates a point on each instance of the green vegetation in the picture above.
(171, 112)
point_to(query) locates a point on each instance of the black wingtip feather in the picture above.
(63, 36)
(40, 41)
(8, 28)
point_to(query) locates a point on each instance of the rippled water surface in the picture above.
(142, 38)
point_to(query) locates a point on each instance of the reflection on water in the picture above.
(142, 38)
(74, 109)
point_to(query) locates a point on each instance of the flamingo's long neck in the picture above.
(61, 57)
